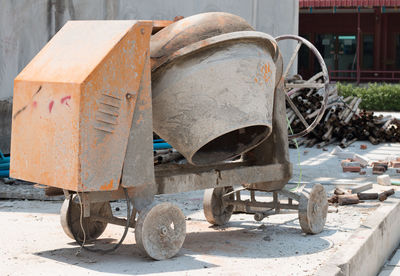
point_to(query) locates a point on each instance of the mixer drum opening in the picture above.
(231, 144)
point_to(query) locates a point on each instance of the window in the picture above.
(367, 51)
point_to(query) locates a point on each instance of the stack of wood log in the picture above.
(342, 197)
(343, 122)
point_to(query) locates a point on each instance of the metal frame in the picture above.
(262, 210)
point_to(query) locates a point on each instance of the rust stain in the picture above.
(266, 71)
(51, 104)
(265, 74)
(107, 187)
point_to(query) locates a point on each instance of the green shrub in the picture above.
(378, 97)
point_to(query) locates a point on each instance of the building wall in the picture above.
(384, 27)
(26, 26)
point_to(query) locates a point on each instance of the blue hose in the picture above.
(161, 146)
(4, 165)
(4, 160)
(4, 173)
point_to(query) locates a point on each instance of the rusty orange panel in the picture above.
(73, 105)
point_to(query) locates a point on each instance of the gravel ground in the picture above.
(32, 241)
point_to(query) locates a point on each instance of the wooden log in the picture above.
(339, 191)
(348, 199)
(352, 111)
(333, 199)
(383, 196)
(367, 196)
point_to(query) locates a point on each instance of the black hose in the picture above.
(115, 247)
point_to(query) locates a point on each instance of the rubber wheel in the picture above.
(313, 209)
(215, 210)
(93, 228)
(160, 230)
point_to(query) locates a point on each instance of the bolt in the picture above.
(163, 231)
(128, 96)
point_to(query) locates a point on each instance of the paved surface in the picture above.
(392, 267)
(32, 241)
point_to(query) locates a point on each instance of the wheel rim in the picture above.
(216, 211)
(313, 210)
(160, 231)
(93, 228)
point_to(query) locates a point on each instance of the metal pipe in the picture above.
(4, 173)
(161, 146)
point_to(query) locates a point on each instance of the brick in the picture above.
(352, 169)
(383, 164)
(378, 169)
(395, 164)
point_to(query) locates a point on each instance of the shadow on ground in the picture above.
(204, 247)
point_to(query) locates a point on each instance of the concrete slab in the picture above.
(369, 246)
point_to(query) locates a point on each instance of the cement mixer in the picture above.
(86, 106)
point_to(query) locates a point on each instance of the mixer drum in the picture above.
(213, 100)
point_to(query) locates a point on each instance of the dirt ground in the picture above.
(32, 241)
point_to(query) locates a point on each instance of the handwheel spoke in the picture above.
(304, 85)
(296, 50)
(296, 111)
(316, 76)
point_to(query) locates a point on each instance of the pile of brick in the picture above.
(381, 167)
(357, 163)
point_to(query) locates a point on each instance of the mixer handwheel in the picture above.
(160, 230)
(292, 87)
(313, 208)
(216, 211)
(72, 225)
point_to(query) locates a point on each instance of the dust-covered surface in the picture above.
(32, 241)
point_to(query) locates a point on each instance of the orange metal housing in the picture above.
(74, 102)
